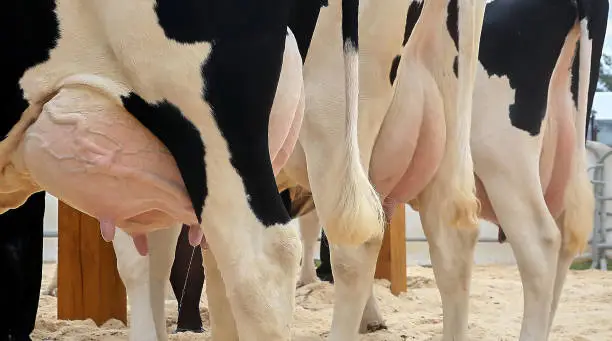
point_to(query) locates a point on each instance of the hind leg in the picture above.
(255, 246)
(353, 269)
(222, 323)
(566, 256)
(575, 224)
(51, 289)
(309, 231)
(134, 272)
(372, 319)
(259, 276)
(145, 280)
(324, 270)
(162, 245)
(452, 253)
(517, 199)
(187, 280)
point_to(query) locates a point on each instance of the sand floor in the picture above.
(496, 306)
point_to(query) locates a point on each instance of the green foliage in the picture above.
(605, 74)
(585, 264)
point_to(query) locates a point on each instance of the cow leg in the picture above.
(353, 269)
(246, 224)
(452, 252)
(516, 197)
(145, 281)
(255, 246)
(324, 270)
(575, 224)
(372, 319)
(565, 260)
(309, 231)
(258, 263)
(162, 245)
(259, 271)
(51, 289)
(187, 280)
(222, 323)
(134, 272)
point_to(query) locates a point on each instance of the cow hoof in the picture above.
(305, 280)
(185, 330)
(373, 327)
(325, 277)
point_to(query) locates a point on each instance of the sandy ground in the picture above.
(585, 313)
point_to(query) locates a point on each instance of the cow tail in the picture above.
(584, 75)
(577, 218)
(357, 215)
(463, 208)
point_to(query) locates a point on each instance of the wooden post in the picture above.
(391, 263)
(88, 284)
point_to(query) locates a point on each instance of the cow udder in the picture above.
(91, 153)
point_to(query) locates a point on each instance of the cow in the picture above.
(417, 78)
(451, 71)
(535, 83)
(199, 79)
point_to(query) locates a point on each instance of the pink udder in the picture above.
(92, 154)
(408, 149)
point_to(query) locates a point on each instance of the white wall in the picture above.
(417, 253)
(50, 244)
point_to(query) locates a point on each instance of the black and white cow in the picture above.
(320, 136)
(535, 83)
(415, 114)
(201, 77)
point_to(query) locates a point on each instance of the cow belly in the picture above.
(92, 154)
